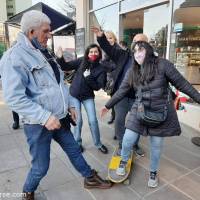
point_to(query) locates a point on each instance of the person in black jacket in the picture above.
(90, 77)
(110, 67)
(149, 77)
(123, 60)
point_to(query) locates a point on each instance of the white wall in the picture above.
(3, 13)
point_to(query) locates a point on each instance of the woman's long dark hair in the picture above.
(138, 76)
(86, 63)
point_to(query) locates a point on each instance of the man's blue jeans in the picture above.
(156, 144)
(39, 140)
(89, 106)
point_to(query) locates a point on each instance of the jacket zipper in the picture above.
(62, 97)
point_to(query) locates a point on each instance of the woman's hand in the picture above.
(104, 112)
(59, 52)
(97, 31)
(86, 73)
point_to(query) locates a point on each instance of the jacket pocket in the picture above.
(40, 75)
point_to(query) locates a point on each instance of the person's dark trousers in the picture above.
(15, 117)
(113, 113)
(39, 140)
(121, 110)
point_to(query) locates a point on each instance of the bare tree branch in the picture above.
(69, 8)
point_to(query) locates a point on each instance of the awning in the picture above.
(58, 20)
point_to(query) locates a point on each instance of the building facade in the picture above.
(12, 7)
(8, 9)
(172, 26)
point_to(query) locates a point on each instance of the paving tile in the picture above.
(58, 174)
(103, 158)
(11, 159)
(94, 162)
(184, 158)
(117, 192)
(184, 144)
(72, 190)
(20, 138)
(167, 193)
(190, 184)
(168, 170)
(13, 180)
(7, 142)
(197, 171)
(5, 130)
(139, 180)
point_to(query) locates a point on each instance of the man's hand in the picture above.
(104, 111)
(73, 114)
(52, 123)
(97, 31)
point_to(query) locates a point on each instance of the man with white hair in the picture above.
(33, 86)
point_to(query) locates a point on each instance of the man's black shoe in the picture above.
(15, 125)
(111, 121)
(95, 181)
(103, 149)
(115, 137)
(82, 149)
(28, 196)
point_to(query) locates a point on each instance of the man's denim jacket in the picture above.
(29, 84)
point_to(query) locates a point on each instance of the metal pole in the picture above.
(7, 35)
(171, 6)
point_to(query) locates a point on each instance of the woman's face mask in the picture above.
(93, 54)
(139, 54)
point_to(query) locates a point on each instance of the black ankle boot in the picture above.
(15, 125)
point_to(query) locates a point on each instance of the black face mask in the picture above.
(36, 44)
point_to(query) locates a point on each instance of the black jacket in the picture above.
(82, 87)
(155, 96)
(122, 58)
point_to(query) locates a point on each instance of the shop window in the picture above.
(96, 4)
(185, 42)
(156, 27)
(147, 21)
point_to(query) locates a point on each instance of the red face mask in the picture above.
(93, 58)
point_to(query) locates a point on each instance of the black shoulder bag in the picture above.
(148, 117)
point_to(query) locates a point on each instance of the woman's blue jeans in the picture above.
(156, 144)
(89, 106)
(39, 140)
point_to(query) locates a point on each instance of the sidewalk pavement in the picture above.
(179, 172)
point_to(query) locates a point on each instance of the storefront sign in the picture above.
(80, 41)
(178, 27)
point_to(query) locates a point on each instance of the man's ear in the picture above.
(30, 34)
